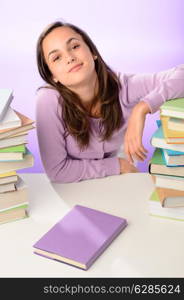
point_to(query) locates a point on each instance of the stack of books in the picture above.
(14, 155)
(167, 163)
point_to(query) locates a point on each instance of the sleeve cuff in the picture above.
(154, 102)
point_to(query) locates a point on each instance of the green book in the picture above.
(156, 210)
(174, 104)
(24, 206)
(13, 214)
(157, 157)
(157, 166)
(173, 108)
(19, 148)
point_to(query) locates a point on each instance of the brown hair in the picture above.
(75, 116)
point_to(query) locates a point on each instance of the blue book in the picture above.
(5, 100)
(173, 153)
(159, 123)
(173, 160)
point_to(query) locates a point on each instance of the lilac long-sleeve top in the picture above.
(61, 156)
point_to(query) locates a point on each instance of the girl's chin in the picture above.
(76, 83)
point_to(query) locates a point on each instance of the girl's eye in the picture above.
(56, 58)
(76, 46)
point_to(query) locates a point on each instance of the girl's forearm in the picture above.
(142, 107)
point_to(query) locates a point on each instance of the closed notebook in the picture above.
(80, 236)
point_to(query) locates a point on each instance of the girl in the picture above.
(86, 111)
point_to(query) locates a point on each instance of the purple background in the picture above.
(132, 36)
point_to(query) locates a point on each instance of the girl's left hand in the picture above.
(133, 137)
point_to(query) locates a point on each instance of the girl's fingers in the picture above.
(135, 151)
(127, 153)
(141, 147)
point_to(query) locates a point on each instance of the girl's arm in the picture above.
(146, 93)
(50, 132)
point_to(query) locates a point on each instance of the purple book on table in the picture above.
(80, 236)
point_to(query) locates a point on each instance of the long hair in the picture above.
(74, 114)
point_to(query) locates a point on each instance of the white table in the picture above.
(148, 247)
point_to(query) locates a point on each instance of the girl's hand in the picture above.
(133, 137)
(126, 167)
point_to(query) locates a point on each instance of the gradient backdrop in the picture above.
(132, 36)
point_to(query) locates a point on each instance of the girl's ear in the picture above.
(55, 80)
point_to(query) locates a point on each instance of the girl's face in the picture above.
(64, 49)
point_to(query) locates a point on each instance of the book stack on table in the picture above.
(14, 155)
(167, 163)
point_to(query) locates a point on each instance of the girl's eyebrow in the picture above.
(67, 42)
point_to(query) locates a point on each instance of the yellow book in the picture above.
(171, 136)
(13, 173)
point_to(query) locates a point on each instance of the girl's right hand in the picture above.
(126, 167)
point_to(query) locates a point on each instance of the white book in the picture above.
(7, 187)
(176, 213)
(27, 162)
(17, 197)
(10, 120)
(6, 96)
(13, 141)
(172, 113)
(156, 209)
(176, 124)
(174, 201)
(8, 179)
(170, 182)
(11, 156)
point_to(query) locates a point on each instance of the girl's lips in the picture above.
(76, 68)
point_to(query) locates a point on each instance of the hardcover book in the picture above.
(157, 165)
(15, 140)
(8, 187)
(173, 158)
(176, 124)
(169, 182)
(169, 197)
(8, 177)
(10, 120)
(80, 237)
(155, 209)
(173, 108)
(6, 97)
(12, 153)
(13, 214)
(26, 162)
(14, 198)
(158, 141)
(171, 136)
(26, 124)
